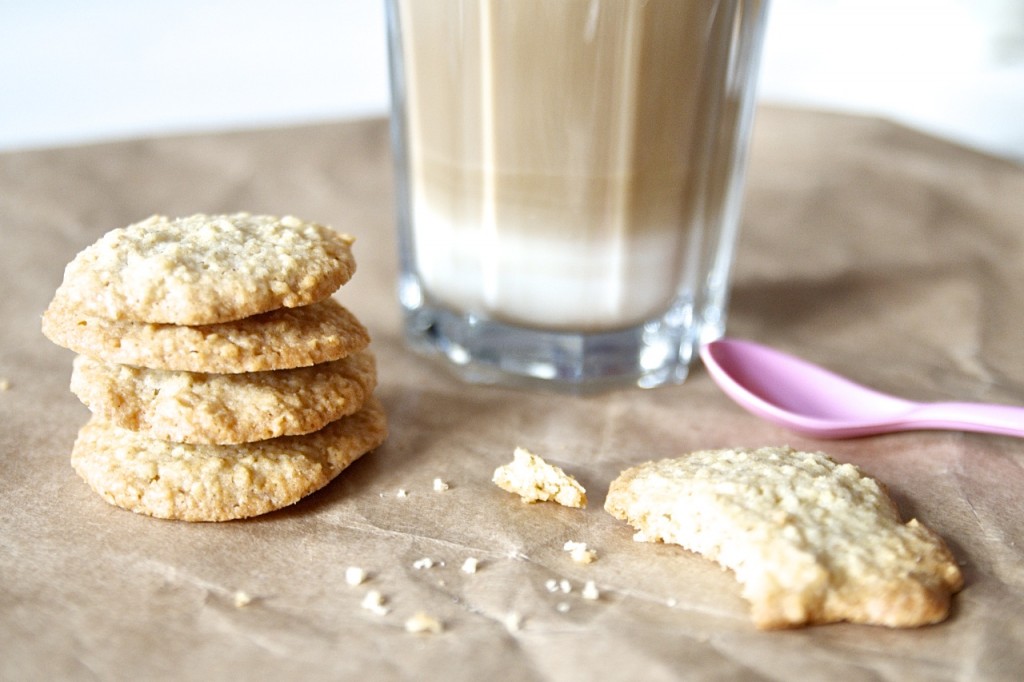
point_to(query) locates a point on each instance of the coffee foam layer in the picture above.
(548, 278)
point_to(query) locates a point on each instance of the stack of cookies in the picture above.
(224, 380)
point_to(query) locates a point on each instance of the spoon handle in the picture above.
(1006, 420)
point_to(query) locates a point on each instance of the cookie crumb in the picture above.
(402, 493)
(242, 599)
(5, 384)
(590, 591)
(423, 623)
(374, 602)
(553, 585)
(440, 485)
(534, 480)
(424, 563)
(354, 575)
(513, 621)
(470, 565)
(562, 607)
(579, 552)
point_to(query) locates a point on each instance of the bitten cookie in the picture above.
(280, 339)
(218, 482)
(206, 269)
(191, 407)
(811, 541)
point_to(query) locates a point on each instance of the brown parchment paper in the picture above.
(881, 252)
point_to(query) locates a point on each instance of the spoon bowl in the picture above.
(814, 401)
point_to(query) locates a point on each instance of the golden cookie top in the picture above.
(205, 269)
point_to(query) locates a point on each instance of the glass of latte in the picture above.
(569, 181)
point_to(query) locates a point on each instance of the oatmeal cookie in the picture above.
(192, 407)
(280, 339)
(810, 541)
(220, 482)
(205, 269)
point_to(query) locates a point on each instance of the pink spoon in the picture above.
(813, 401)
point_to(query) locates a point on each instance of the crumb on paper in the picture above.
(5, 384)
(423, 623)
(554, 585)
(242, 599)
(579, 552)
(440, 485)
(535, 480)
(513, 621)
(374, 602)
(671, 602)
(354, 575)
(402, 493)
(562, 607)
(590, 591)
(424, 563)
(470, 565)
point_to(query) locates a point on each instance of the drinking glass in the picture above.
(569, 180)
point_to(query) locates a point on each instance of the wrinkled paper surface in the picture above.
(883, 253)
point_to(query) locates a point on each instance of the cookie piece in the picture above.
(811, 541)
(220, 482)
(206, 269)
(190, 407)
(534, 480)
(280, 339)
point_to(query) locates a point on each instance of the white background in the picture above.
(75, 71)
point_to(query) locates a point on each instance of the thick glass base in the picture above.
(655, 353)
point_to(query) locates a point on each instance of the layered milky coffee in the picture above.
(562, 155)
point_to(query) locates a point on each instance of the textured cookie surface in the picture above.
(220, 482)
(810, 540)
(206, 269)
(279, 339)
(535, 480)
(190, 407)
